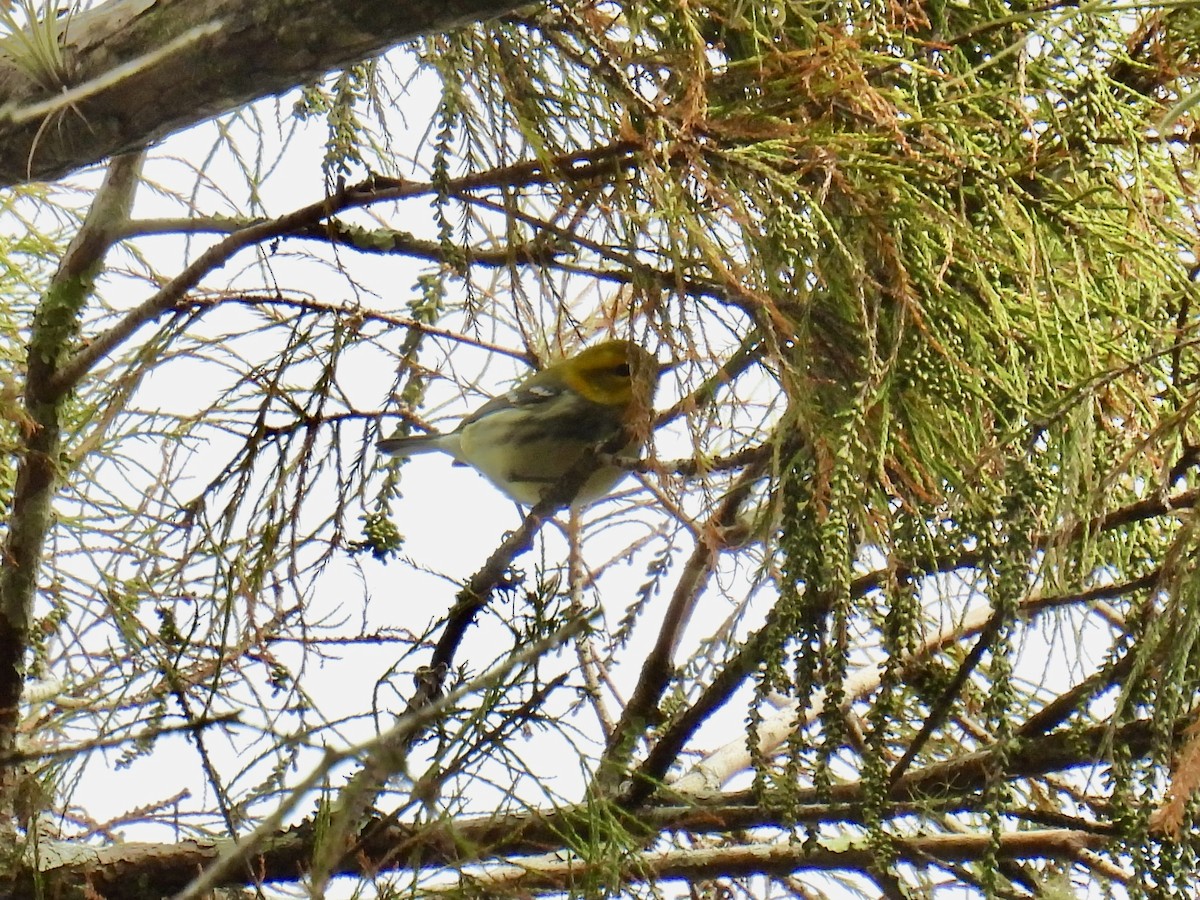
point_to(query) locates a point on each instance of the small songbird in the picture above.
(527, 439)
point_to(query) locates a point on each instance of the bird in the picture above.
(527, 439)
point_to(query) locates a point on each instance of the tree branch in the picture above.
(118, 872)
(641, 710)
(55, 328)
(553, 873)
(138, 70)
(721, 764)
(302, 221)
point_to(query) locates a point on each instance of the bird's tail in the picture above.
(410, 446)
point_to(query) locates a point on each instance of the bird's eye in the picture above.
(622, 370)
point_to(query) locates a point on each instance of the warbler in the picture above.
(527, 439)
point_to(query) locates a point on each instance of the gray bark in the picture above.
(137, 70)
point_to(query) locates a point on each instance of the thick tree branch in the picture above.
(779, 859)
(117, 872)
(138, 70)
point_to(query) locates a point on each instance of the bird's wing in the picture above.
(523, 396)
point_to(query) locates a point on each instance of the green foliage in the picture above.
(380, 536)
(30, 38)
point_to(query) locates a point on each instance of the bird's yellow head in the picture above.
(615, 373)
